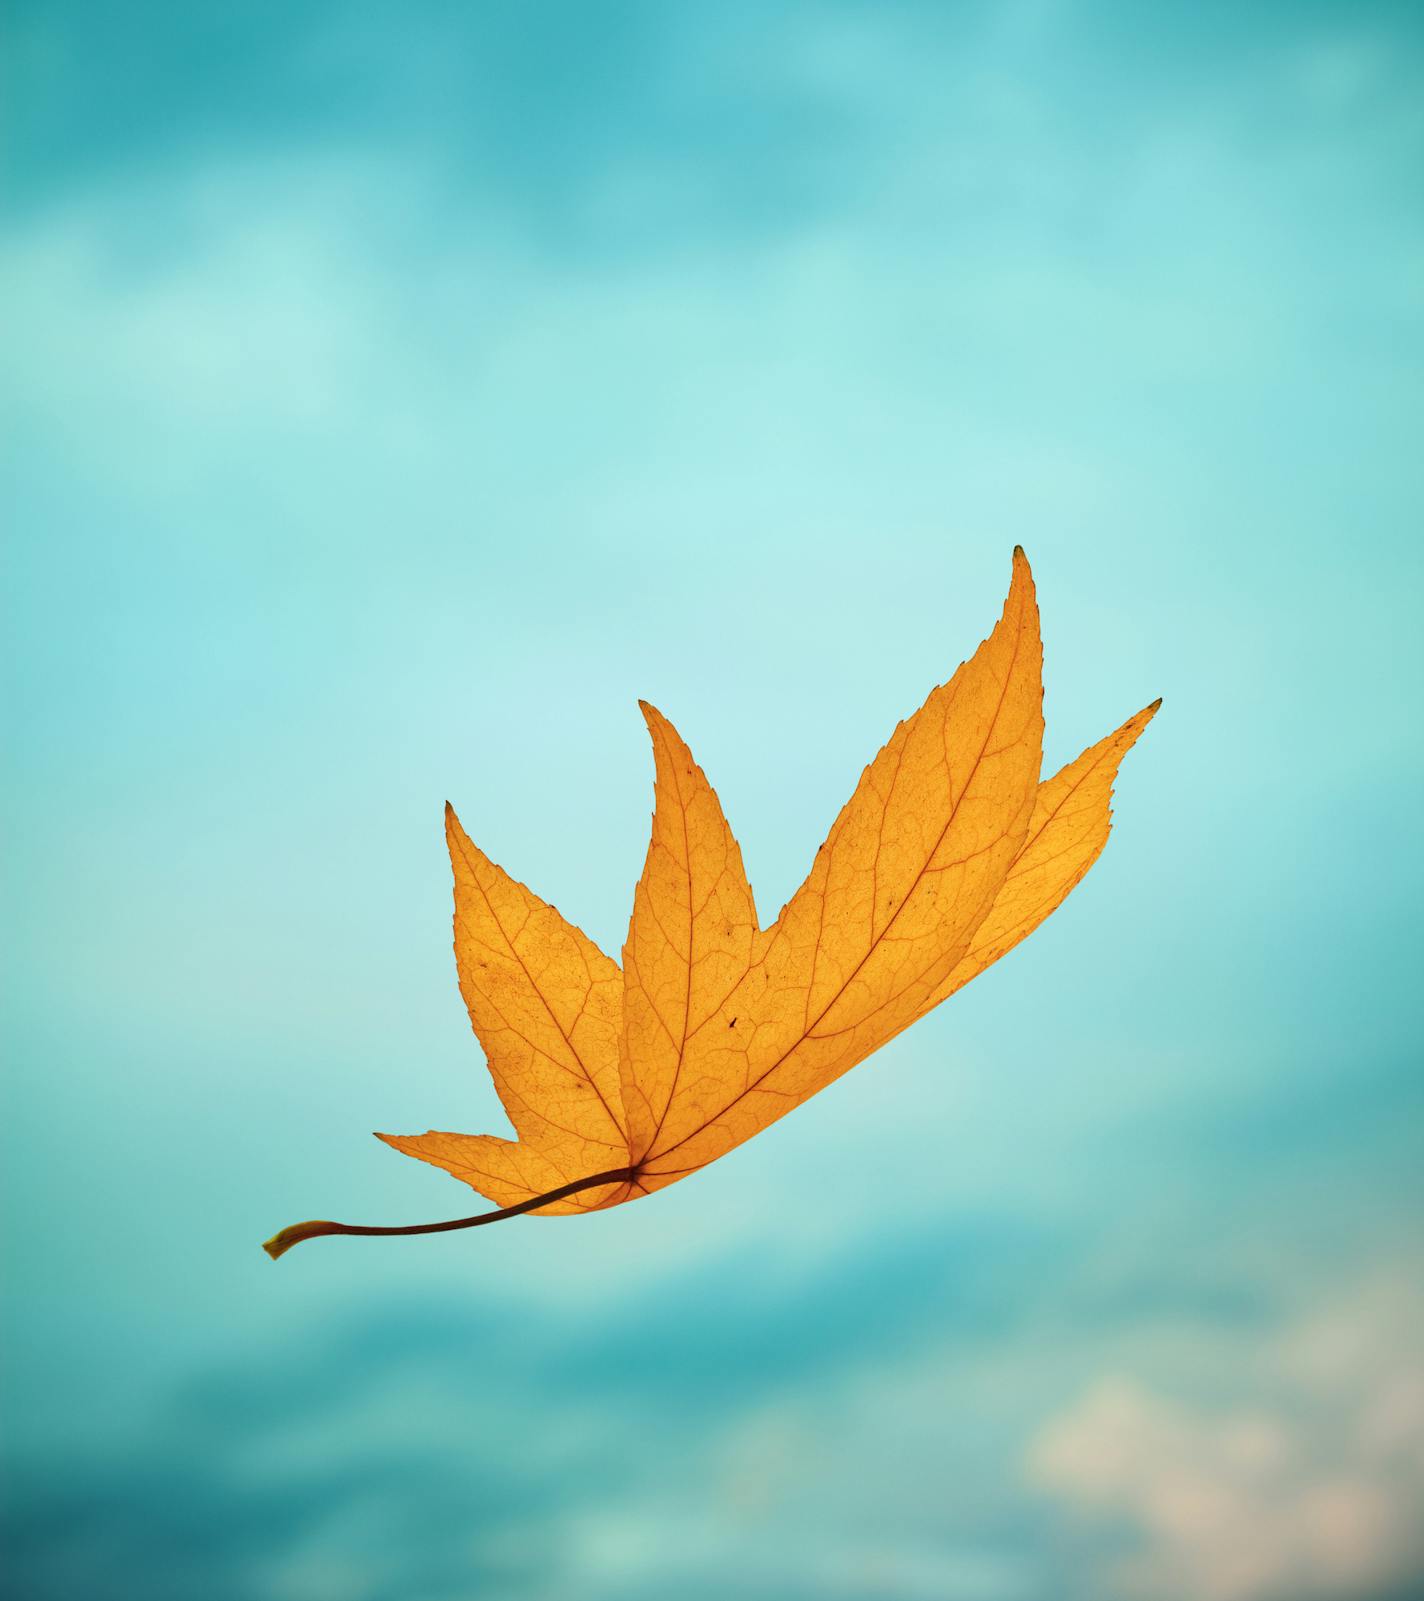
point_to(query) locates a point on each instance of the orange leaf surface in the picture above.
(949, 852)
(689, 945)
(910, 868)
(546, 1005)
(1072, 817)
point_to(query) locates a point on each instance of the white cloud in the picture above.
(1310, 1489)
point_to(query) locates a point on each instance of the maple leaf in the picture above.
(618, 1083)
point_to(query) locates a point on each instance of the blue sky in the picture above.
(396, 394)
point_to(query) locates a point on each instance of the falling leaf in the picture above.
(618, 1083)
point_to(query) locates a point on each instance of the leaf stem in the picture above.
(295, 1233)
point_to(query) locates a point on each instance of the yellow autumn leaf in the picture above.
(949, 852)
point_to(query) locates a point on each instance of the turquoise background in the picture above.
(396, 393)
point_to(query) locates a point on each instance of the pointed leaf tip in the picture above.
(1022, 575)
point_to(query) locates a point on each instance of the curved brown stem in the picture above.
(295, 1233)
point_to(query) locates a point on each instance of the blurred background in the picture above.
(395, 393)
